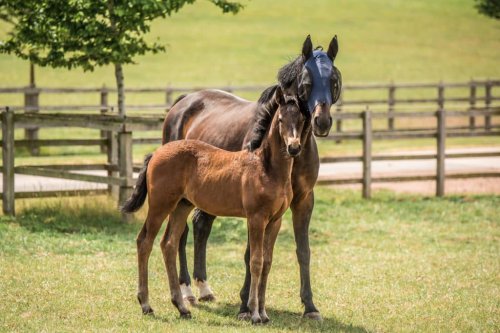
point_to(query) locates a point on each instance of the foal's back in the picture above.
(210, 178)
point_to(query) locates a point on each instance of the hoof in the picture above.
(192, 300)
(244, 316)
(147, 310)
(186, 315)
(264, 318)
(207, 298)
(313, 316)
(256, 320)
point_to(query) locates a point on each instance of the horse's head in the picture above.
(291, 122)
(316, 81)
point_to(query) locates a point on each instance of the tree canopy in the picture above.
(86, 33)
(489, 8)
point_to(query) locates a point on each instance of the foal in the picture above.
(255, 185)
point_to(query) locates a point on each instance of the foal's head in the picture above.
(291, 122)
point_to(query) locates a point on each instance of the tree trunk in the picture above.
(120, 88)
(32, 75)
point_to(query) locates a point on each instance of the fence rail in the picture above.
(116, 137)
(119, 143)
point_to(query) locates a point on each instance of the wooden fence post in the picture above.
(487, 104)
(125, 168)
(440, 159)
(112, 152)
(104, 109)
(31, 104)
(390, 110)
(440, 95)
(338, 123)
(168, 98)
(472, 105)
(367, 153)
(8, 162)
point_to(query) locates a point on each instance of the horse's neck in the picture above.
(273, 153)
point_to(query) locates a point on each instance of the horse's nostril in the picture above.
(316, 121)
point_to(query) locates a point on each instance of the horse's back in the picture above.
(213, 116)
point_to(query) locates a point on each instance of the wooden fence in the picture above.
(368, 135)
(119, 149)
(478, 93)
(116, 138)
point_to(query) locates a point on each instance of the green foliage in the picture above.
(489, 8)
(86, 33)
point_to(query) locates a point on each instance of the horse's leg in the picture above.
(272, 230)
(244, 313)
(184, 278)
(202, 225)
(302, 206)
(169, 246)
(145, 241)
(256, 229)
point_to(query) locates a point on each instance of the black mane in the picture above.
(266, 108)
(290, 72)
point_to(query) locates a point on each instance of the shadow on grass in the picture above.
(82, 218)
(283, 320)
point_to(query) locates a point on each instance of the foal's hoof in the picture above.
(244, 316)
(265, 319)
(313, 316)
(256, 320)
(192, 300)
(186, 315)
(207, 298)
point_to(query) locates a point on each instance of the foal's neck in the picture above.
(273, 153)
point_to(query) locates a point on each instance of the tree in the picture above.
(87, 33)
(489, 8)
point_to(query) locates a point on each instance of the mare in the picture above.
(227, 121)
(253, 183)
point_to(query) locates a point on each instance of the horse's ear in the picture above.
(278, 95)
(333, 48)
(307, 48)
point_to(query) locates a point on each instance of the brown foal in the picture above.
(253, 184)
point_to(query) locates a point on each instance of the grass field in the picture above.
(391, 264)
(379, 40)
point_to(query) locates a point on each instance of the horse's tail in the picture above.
(137, 198)
(165, 130)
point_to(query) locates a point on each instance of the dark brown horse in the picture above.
(253, 183)
(226, 121)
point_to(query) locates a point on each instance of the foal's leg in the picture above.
(272, 230)
(169, 245)
(244, 313)
(202, 225)
(184, 278)
(256, 228)
(145, 241)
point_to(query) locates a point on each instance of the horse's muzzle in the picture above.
(293, 150)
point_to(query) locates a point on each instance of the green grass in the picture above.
(394, 263)
(379, 41)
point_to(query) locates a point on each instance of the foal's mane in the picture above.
(266, 108)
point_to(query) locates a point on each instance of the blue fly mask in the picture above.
(320, 81)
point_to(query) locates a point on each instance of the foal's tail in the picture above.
(137, 198)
